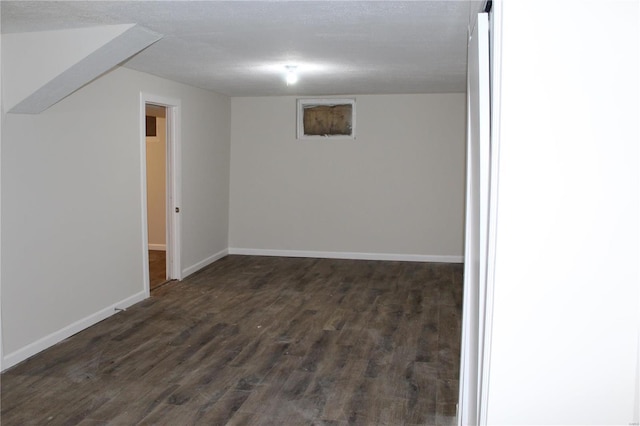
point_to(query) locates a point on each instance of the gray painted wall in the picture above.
(71, 201)
(398, 188)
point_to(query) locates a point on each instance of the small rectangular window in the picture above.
(326, 118)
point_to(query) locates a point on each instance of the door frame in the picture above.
(480, 217)
(173, 185)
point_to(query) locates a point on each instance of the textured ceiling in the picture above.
(240, 48)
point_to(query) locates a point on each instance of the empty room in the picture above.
(319, 212)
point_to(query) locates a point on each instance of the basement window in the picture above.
(326, 119)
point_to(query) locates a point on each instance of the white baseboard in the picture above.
(348, 255)
(57, 336)
(206, 262)
(161, 247)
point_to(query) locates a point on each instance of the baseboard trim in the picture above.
(348, 255)
(203, 263)
(57, 336)
(161, 247)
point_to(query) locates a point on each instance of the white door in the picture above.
(476, 221)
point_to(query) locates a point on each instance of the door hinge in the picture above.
(177, 209)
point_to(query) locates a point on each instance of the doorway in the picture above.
(156, 149)
(160, 149)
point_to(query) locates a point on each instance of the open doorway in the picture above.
(160, 153)
(156, 147)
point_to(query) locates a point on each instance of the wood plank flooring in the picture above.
(260, 341)
(157, 268)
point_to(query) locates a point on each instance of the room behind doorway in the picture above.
(156, 146)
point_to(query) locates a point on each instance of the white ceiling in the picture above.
(240, 48)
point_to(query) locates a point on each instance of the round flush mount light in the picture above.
(291, 69)
(291, 76)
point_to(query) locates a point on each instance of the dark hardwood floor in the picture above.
(157, 268)
(260, 341)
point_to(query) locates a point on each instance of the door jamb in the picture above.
(475, 360)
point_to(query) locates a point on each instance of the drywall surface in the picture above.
(72, 200)
(35, 58)
(1, 125)
(564, 347)
(156, 185)
(398, 188)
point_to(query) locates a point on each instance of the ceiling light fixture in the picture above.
(291, 77)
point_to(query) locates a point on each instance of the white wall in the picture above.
(71, 208)
(157, 186)
(205, 180)
(397, 189)
(566, 307)
(33, 59)
(1, 125)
